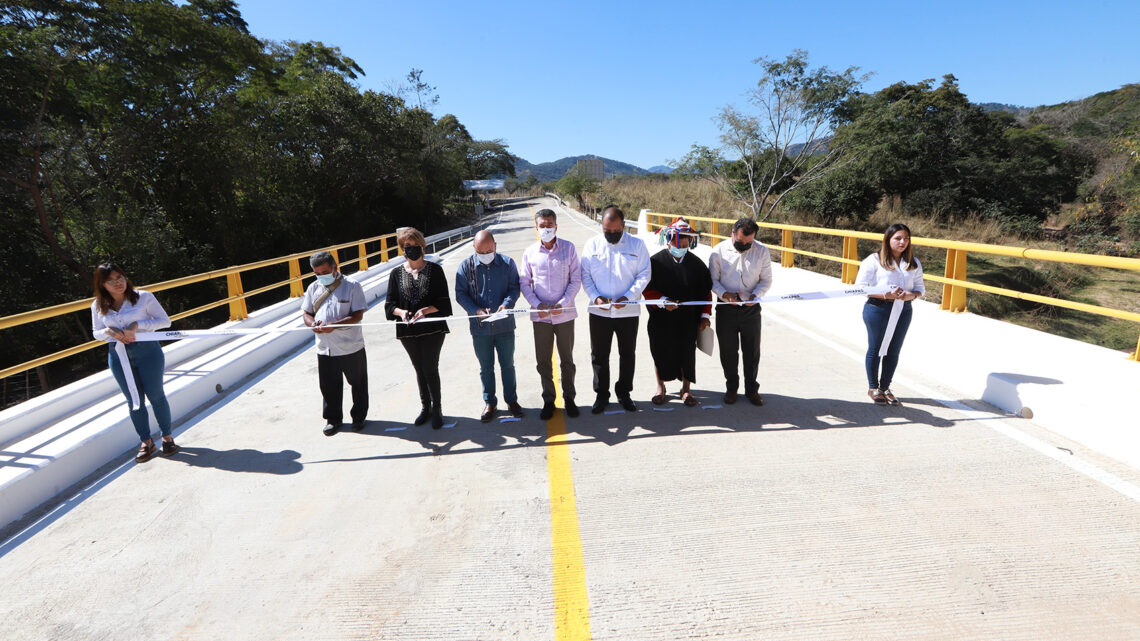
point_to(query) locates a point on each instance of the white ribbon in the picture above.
(892, 322)
(499, 315)
(128, 374)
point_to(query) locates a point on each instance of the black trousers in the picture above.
(424, 354)
(738, 330)
(602, 330)
(354, 368)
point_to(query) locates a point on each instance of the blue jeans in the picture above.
(147, 363)
(875, 317)
(485, 347)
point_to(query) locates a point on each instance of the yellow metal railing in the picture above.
(954, 283)
(236, 296)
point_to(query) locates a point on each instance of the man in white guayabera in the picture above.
(334, 299)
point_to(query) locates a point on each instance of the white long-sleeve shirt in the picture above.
(747, 273)
(147, 313)
(872, 273)
(614, 271)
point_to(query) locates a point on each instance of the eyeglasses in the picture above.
(117, 281)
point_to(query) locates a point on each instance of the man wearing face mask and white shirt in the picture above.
(549, 278)
(335, 300)
(486, 283)
(741, 271)
(615, 270)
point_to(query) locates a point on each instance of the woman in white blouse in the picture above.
(887, 315)
(119, 310)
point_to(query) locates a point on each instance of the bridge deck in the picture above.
(817, 516)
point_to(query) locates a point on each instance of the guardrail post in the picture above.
(362, 265)
(336, 257)
(296, 287)
(954, 296)
(384, 249)
(787, 258)
(237, 307)
(850, 252)
(1136, 355)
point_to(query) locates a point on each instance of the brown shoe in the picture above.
(877, 396)
(730, 397)
(169, 448)
(488, 414)
(891, 397)
(146, 450)
(756, 399)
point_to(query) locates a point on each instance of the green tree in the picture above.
(162, 134)
(843, 192)
(783, 143)
(943, 155)
(578, 186)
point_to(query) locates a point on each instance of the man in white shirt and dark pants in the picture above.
(615, 270)
(335, 300)
(741, 270)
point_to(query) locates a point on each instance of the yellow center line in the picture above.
(571, 602)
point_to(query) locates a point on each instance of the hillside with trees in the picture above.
(554, 170)
(165, 136)
(1058, 177)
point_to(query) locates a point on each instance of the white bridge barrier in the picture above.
(52, 442)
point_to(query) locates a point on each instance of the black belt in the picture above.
(882, 302)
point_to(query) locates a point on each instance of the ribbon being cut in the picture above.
(168, 335)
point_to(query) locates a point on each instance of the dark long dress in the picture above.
(673, 334)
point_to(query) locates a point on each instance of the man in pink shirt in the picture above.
(549, 278)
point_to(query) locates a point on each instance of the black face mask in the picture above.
(414, 252)
(741, 247)
(613, 237)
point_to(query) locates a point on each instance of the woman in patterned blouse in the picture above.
(418, 296)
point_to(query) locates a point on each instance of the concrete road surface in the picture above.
(816, 516)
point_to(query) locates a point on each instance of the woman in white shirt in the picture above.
(887, 315)
(119, 310)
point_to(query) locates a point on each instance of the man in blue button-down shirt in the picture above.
(488, 282)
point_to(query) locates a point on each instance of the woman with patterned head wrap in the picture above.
(677, 274)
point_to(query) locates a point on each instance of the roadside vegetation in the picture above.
(1065, 177)
(163, 135)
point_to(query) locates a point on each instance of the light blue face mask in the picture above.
(326, 279)
(678, 252)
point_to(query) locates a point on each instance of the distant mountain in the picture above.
(660, 169)
(551, 171)
(997, 106)
(819, 147)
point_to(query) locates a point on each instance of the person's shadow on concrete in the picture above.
(246, 460)
(779, 413)
(460, 430)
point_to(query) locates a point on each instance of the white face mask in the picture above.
(547, 234)
(486, 259)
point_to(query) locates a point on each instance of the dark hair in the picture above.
(102, 296)
(616, 212)
(886, 256)
(746, 225)
(547, 213)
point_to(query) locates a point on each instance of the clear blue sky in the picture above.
(640, 81)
